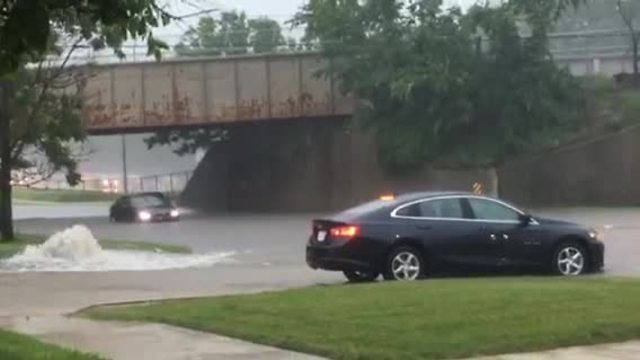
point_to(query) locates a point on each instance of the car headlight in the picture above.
(593, 235)
(144, 215)
(174, 213)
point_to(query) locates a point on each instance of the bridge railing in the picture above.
(565, 44)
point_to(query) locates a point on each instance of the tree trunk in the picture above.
(493, 186)
(6, 216)
(636, 58)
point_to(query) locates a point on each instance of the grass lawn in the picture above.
(38, 195)
(10, 248)
(428, 320)
(19, 347)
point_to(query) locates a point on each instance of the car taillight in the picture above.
(345, 232)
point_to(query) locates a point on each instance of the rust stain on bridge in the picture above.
(210, 91)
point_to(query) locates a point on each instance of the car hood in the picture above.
(157, 209)
(552, 222)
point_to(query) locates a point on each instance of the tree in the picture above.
(446, 88)
(38, 115)
(629, 11)
(266, 35)
(231, 34)
(227, 35)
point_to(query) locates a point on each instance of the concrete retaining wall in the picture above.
(304, 165)
(601, 172)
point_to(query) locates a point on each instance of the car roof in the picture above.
(406, 197)
(378, 206)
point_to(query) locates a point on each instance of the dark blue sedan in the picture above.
(413, 235)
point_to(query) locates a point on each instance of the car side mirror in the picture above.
(526, 219)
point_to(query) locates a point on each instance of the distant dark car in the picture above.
(409, 236)
(144, 207)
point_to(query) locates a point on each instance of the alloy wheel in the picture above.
(570, 261)
(405, 266)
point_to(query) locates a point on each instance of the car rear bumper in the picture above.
(333, 259)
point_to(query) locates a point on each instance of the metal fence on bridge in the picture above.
(172, 183)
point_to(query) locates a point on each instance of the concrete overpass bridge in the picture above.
(202, 92)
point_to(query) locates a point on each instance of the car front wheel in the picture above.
(570, 259)
(404, 264)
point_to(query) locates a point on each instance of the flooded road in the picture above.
(268, 253)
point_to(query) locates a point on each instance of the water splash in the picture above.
(76, 249)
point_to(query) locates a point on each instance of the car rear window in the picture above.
(366, 208)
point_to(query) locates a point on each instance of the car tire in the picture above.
(570, 258)
(405, 263)
(355, 276)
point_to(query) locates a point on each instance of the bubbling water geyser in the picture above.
(76, 249)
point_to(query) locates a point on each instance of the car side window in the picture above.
(410, 211)
(442, 209)
(435, 209)
(491, 210)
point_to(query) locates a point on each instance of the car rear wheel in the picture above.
(570, 259)
(357, 276)
(405, 264)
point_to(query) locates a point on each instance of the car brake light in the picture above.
(387, 197)
(345, 232)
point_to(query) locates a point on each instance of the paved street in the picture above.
(269, 255)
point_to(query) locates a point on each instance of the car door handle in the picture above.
(493, 237)
(505, 237)
(424, 227)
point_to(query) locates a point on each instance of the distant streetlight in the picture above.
(125, 183)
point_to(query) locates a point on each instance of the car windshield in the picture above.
(149, 201)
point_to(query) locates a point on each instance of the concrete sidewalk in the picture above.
(619, 351)
(137, 341)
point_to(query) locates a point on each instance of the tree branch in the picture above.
(46, 84)
(626, 18)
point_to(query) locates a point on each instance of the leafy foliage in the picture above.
(440, 86)
(26, 26)
(231, 34)
(188, 141)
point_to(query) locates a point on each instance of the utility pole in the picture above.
(125, 178)
(6, 215)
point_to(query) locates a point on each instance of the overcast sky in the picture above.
(281, 10)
